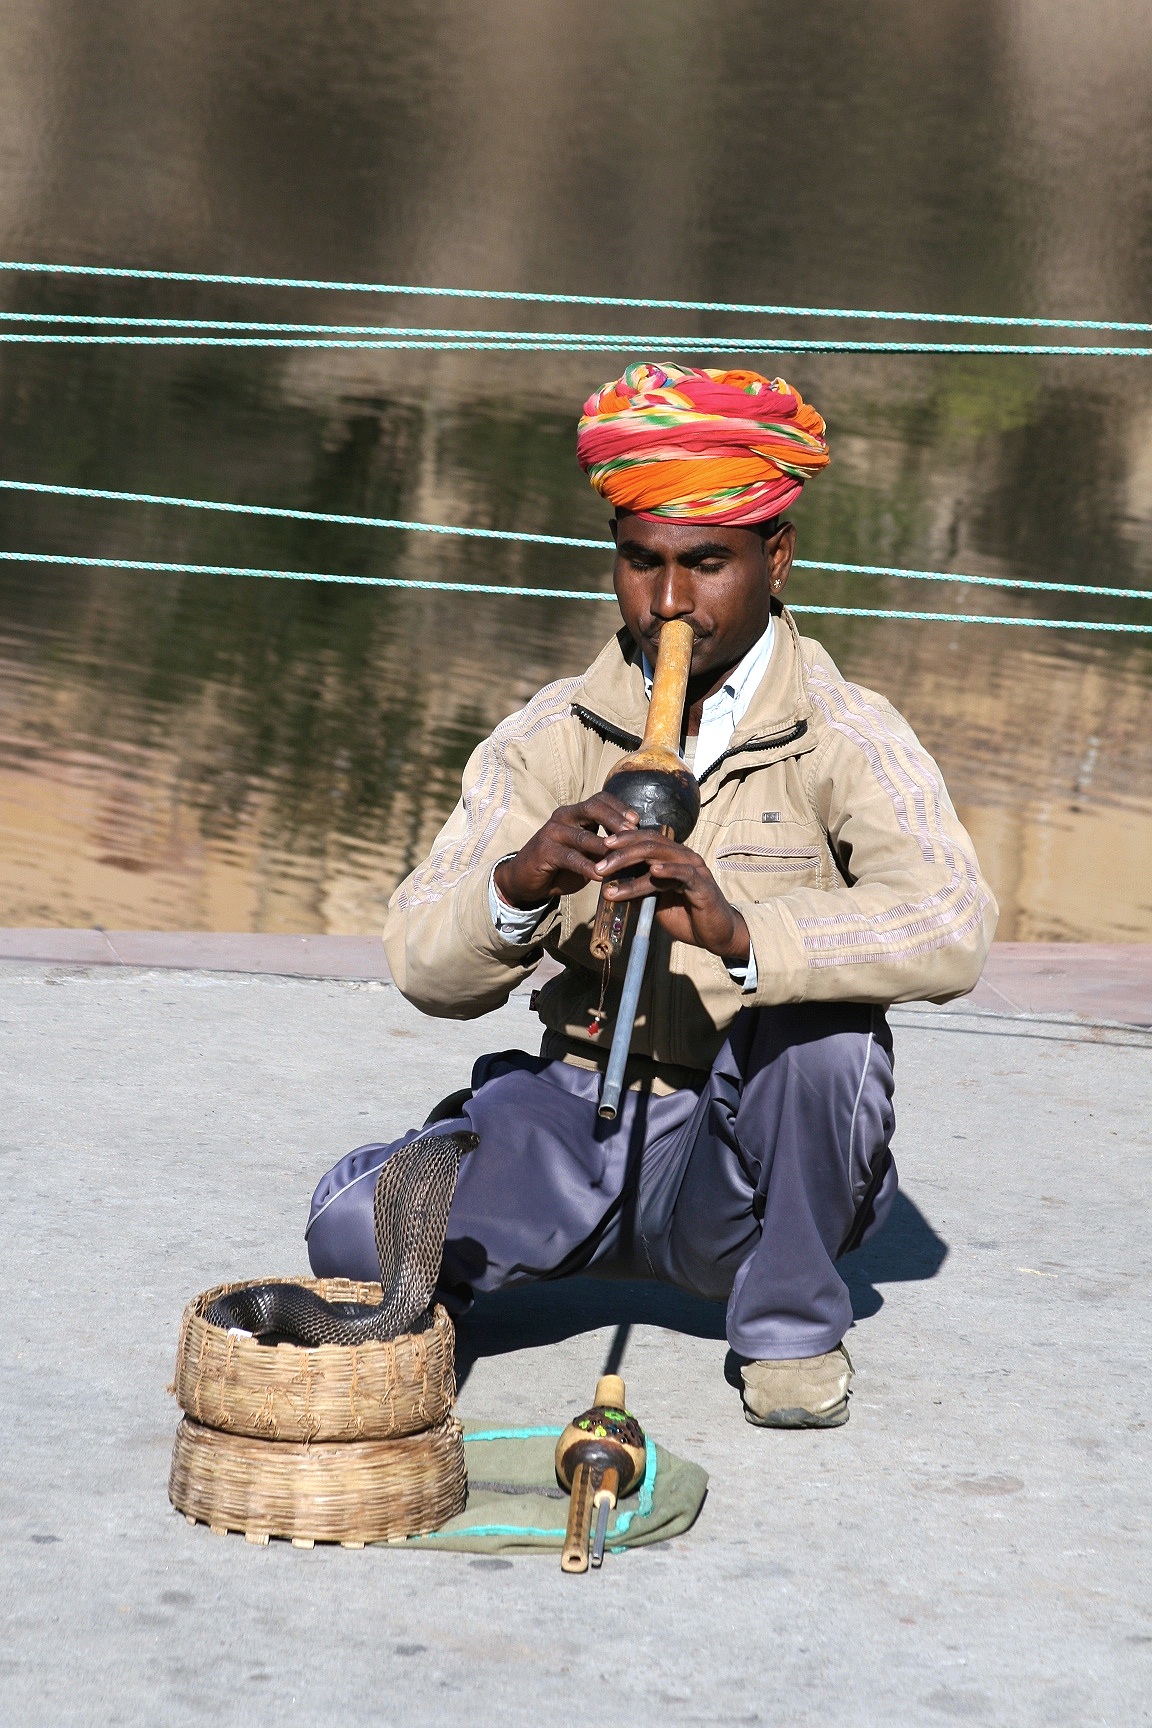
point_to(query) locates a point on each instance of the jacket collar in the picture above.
(611, 697)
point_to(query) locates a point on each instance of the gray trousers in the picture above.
(748, 1190)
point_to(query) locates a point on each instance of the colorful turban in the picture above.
(692, 444)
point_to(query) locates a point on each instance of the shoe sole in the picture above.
(798, 1418)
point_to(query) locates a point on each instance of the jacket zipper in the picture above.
(614, 734)
(629, 740)
(797, 731)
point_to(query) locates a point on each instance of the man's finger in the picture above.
(686, 871)
(586, 841)
(645, 846)
(653, 838)
(575, 863)
(601, 811)
(632, 888)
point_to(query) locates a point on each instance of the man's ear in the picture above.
(779, 551)
(612, 528)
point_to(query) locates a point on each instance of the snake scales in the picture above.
(410, 1209)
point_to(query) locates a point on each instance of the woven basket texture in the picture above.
(374, 1391)
(357, 1491)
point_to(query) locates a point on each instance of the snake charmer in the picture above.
(827, 877)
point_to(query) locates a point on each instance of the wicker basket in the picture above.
(356, 1492)
(373, 1391)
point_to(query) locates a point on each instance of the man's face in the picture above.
(721, 580)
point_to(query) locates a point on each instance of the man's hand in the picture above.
(691, 907)
(562, 856)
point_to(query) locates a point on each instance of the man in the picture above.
(827, 876)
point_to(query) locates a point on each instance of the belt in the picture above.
(642, 1072)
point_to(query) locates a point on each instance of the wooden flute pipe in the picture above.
(669, 688)
(600, 1456)
(575, 1553)
(653, 781)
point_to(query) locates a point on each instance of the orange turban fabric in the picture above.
(692, 444)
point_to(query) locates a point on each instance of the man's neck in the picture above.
(700, 690)
(709, 684)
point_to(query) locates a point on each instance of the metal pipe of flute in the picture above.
(626, 1013)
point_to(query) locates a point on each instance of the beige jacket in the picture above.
(825, 822)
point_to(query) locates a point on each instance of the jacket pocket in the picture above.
(748, 872)
(772, 859)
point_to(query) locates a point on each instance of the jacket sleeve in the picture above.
(445, 953)
(915, 918)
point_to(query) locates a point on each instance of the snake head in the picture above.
(466, 1142)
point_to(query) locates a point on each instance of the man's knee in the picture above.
(341, 1233)
(816, 1095)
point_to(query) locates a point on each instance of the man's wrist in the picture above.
(737, 950)
(518, 926)
(504, 888)
(744, 971)
(508, 894)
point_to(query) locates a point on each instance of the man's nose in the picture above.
(673, 595)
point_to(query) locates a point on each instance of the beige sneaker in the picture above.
(809, 1392)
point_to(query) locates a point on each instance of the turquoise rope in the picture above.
(974, 618)
(512, 1434)
(165, 567)
(753, 308)
(1014, 582)
(256, 324)
(281, 512)
(390, 336)
(643, 1506)
(172, 569)
(491, 1530)
(515, 535)
(573, 345)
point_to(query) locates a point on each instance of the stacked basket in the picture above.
(344, 1443)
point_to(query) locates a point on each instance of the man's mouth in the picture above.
(653, 635)
(699, 646)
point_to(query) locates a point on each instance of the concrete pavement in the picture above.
(972, 1546)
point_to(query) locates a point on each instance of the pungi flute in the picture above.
(600, 1457)
(655, 783)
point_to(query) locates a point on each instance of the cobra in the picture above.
(410, 1209)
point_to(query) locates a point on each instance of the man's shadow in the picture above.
(907, 1250)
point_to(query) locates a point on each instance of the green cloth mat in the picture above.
(514, 1501)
